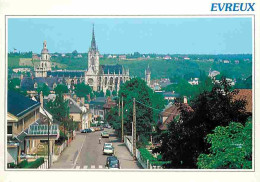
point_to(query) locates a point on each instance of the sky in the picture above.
(216, 35)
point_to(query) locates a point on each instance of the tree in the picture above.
(82, 90)
(108, 93)
(231, 148)
(61, 89)
(114, 93)
(185, 141)
(145, 101)
(14, 84)
(45, 90)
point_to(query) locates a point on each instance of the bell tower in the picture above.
(148, 76)
(93, 55)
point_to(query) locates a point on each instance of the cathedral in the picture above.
(103, 77)
(98, 77)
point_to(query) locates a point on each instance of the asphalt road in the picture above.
(91, 154)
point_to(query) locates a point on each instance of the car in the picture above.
(92, 129)
(105, 134)
(108, 150)
(112, 163)
(101, 128)
(108, 145)
(87, 130)
(108, 126)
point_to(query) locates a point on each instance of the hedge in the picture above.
(36, 163)
(146, 155)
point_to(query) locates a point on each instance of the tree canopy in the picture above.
(185, 141)
(82, 90)
(61, 89)
(231, 148)
(45, 89)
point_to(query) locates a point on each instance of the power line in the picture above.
(152, 107)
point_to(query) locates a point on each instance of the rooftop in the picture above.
(18, 104)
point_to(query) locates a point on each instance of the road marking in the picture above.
(77, 167)
(85, 167)
(93, 166)
(79, 152)
(100, 166)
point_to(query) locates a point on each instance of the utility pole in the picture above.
(119, 107)
(122, 120)
(134, 132)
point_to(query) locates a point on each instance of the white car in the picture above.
(92, 129)
(108, 145)
(108, 150)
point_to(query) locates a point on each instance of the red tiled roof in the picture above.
(247, 95)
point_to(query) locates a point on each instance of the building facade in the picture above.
(103, 77)
(45, 64)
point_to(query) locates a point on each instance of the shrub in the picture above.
(36, 163)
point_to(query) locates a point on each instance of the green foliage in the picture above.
(184, 141)
(231, 148)
(36, 163)
(45, 89)
(145, 116)
(61, 89)
(108, 93)
(14, 84)
(114, 93)
(146, 155)
(83, 90)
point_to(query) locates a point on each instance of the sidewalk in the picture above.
(69, 155)
(122, 153)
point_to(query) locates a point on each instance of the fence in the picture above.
(44, 165)
(144, 163)
(59, 148)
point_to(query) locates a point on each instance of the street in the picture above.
(85, 152)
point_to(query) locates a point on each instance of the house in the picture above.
(108, 105)
(78, 113)
(194, 81)
(226, 61)
(122, 57)
(170, 96)
(26, 127)
(96, 107)
(167, 57)
(171, 112)
(236, 61)
(245, 94)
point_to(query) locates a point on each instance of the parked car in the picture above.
(87, 130)
(108, 150)
(112, 163)
(107, 145)
(105, 134)
(92, 129)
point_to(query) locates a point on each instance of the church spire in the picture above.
(93, 41)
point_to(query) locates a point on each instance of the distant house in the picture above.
(236, 61)
(78, 113)
(213, 73)
(22, 70)
(25, 62)
(167, 57)
(226, 61)
(96, 107)
(109, 56)
(170, 96)
(194, 81)
(109, 105)
(186, 58)
(35, 57)
(171, 112)
(114, 56)
(122, 57)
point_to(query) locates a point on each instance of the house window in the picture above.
(9, 129)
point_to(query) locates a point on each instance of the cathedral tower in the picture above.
(148, 76)
(93, 55)
(45, 64)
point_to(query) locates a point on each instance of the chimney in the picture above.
(41, 99)
(21, 77)
(185, 101)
